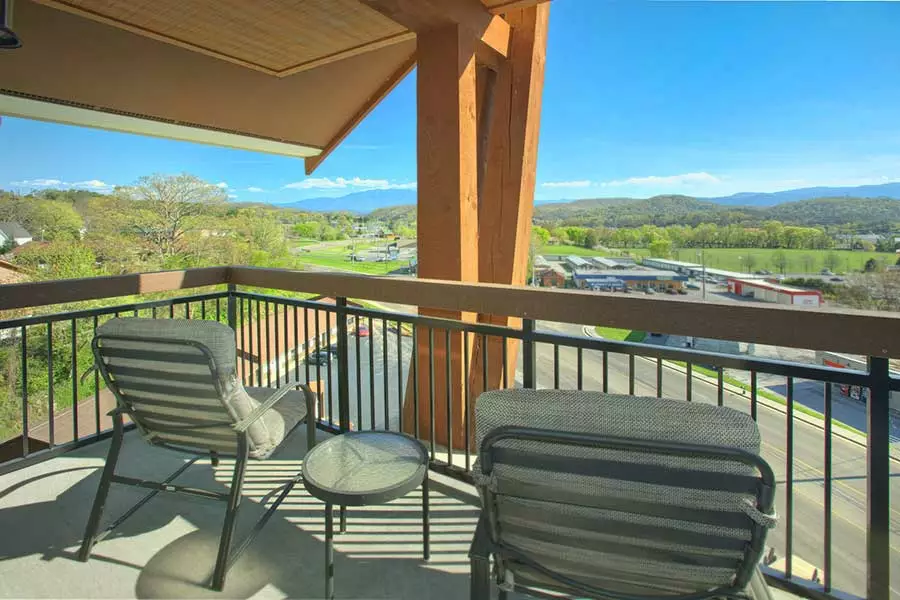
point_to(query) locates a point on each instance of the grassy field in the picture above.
(734, 259)
(338, 257)
(622, 335)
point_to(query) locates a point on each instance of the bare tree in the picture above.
(808, 262)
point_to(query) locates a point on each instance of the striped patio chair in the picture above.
(592, 495)
(175, 379)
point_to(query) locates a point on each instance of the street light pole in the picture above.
(703, 263)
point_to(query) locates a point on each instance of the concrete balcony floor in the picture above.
(167, 549)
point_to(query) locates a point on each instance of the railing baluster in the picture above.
(415, 370)
(277, 353)
(466, 404)
(187, 311)
(659, 378)
(386, 405)
(399, 376)
(153, 312)
(789, 481)
(218, 311)
(329, 384)
(878, 476)
(243, 327)
(74, 381)
(753, 393)
(203, 310)
(287, 345)
(529, 355)
(306, 345)
(268, 348)
(320, 402)
(631, 374)
(298, 343)
(259, 354)
(504, 356)
(720, 389)
(431, 388)
(359, 409)
(51, 422)
(24, 375)
(171, 310)
(689, 382)
(449, 378)
(555, 366)
(605, 372)
(343, 374)
(579, 369)
(96, 392)
(371, 375)
(827, 490)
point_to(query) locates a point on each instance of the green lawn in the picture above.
(622, 335)
(567, 250)
(733, 259)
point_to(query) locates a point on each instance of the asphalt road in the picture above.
(848, 458)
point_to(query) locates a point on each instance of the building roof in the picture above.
(577, 261)
(611, 263)
(727, 274)
(673, 263)
(284, 76)
(639, 274)
(13, 229)
(777, 287)
(540, 261)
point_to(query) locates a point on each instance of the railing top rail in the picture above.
(859, 332)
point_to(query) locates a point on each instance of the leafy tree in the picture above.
(590, 238)
(58, 260)
(660, 248)
(831, 261)
(542, 235)
(168, 205)
(779, 261)
(309, 229)
(872, 266)
(808, 263)
(405, 231)
(749, 262)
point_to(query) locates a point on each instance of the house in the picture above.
(12, 231)
(551, 276)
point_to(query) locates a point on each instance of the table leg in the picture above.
(426, 550)
(343, 519)
(329, 552)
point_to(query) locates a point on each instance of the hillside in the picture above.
(883, 190)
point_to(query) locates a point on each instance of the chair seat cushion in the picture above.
(279, 420)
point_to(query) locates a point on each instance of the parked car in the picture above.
(362, 331)
(649, 291)
(826, 272)
(681, 292)
(321, 358)
(671, 292)
(836, 279)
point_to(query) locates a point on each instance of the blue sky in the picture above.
(700, 98)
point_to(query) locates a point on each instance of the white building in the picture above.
(13, 231)
(669, 265)
(774, 292)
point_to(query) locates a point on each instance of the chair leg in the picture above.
(234, 500)
(480, 578)
(343, 520)
(109, 470)
(426, 525)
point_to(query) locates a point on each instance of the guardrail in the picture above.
(368, 372)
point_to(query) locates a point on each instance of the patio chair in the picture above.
(175, 379)
(618, 497)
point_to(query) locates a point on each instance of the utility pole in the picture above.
(703, 264)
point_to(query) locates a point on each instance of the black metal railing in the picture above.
(375, 369)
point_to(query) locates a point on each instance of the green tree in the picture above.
(779, 261)
(872, 266)
(168, 205)
(831, 261)
(590, 238)
(311, 230)
(542, 235)
(750, 262)
(660, 248)
(808, 263)
(58, 260)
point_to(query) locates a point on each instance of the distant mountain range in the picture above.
(883, 190)
(367, 201)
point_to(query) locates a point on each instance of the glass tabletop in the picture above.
(365, 463)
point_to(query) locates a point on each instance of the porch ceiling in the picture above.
(290, 72)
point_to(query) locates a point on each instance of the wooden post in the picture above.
(447, 212)
(507, 198)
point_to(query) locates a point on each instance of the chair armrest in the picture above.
(245, 423)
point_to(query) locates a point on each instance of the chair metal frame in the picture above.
(485, 542)
(227, 555)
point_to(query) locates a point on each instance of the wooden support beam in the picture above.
(312, 163)
(447, 213)
(507, 190)
(421, 16)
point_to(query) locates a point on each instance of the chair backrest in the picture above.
(176, 379)
(630, 497)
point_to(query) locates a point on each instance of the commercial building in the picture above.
(552, 276)
(855, 392)
(609, 262)
(633, 279)
(722, 274)
(774, 292)
(578, 263)
(669, 265)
